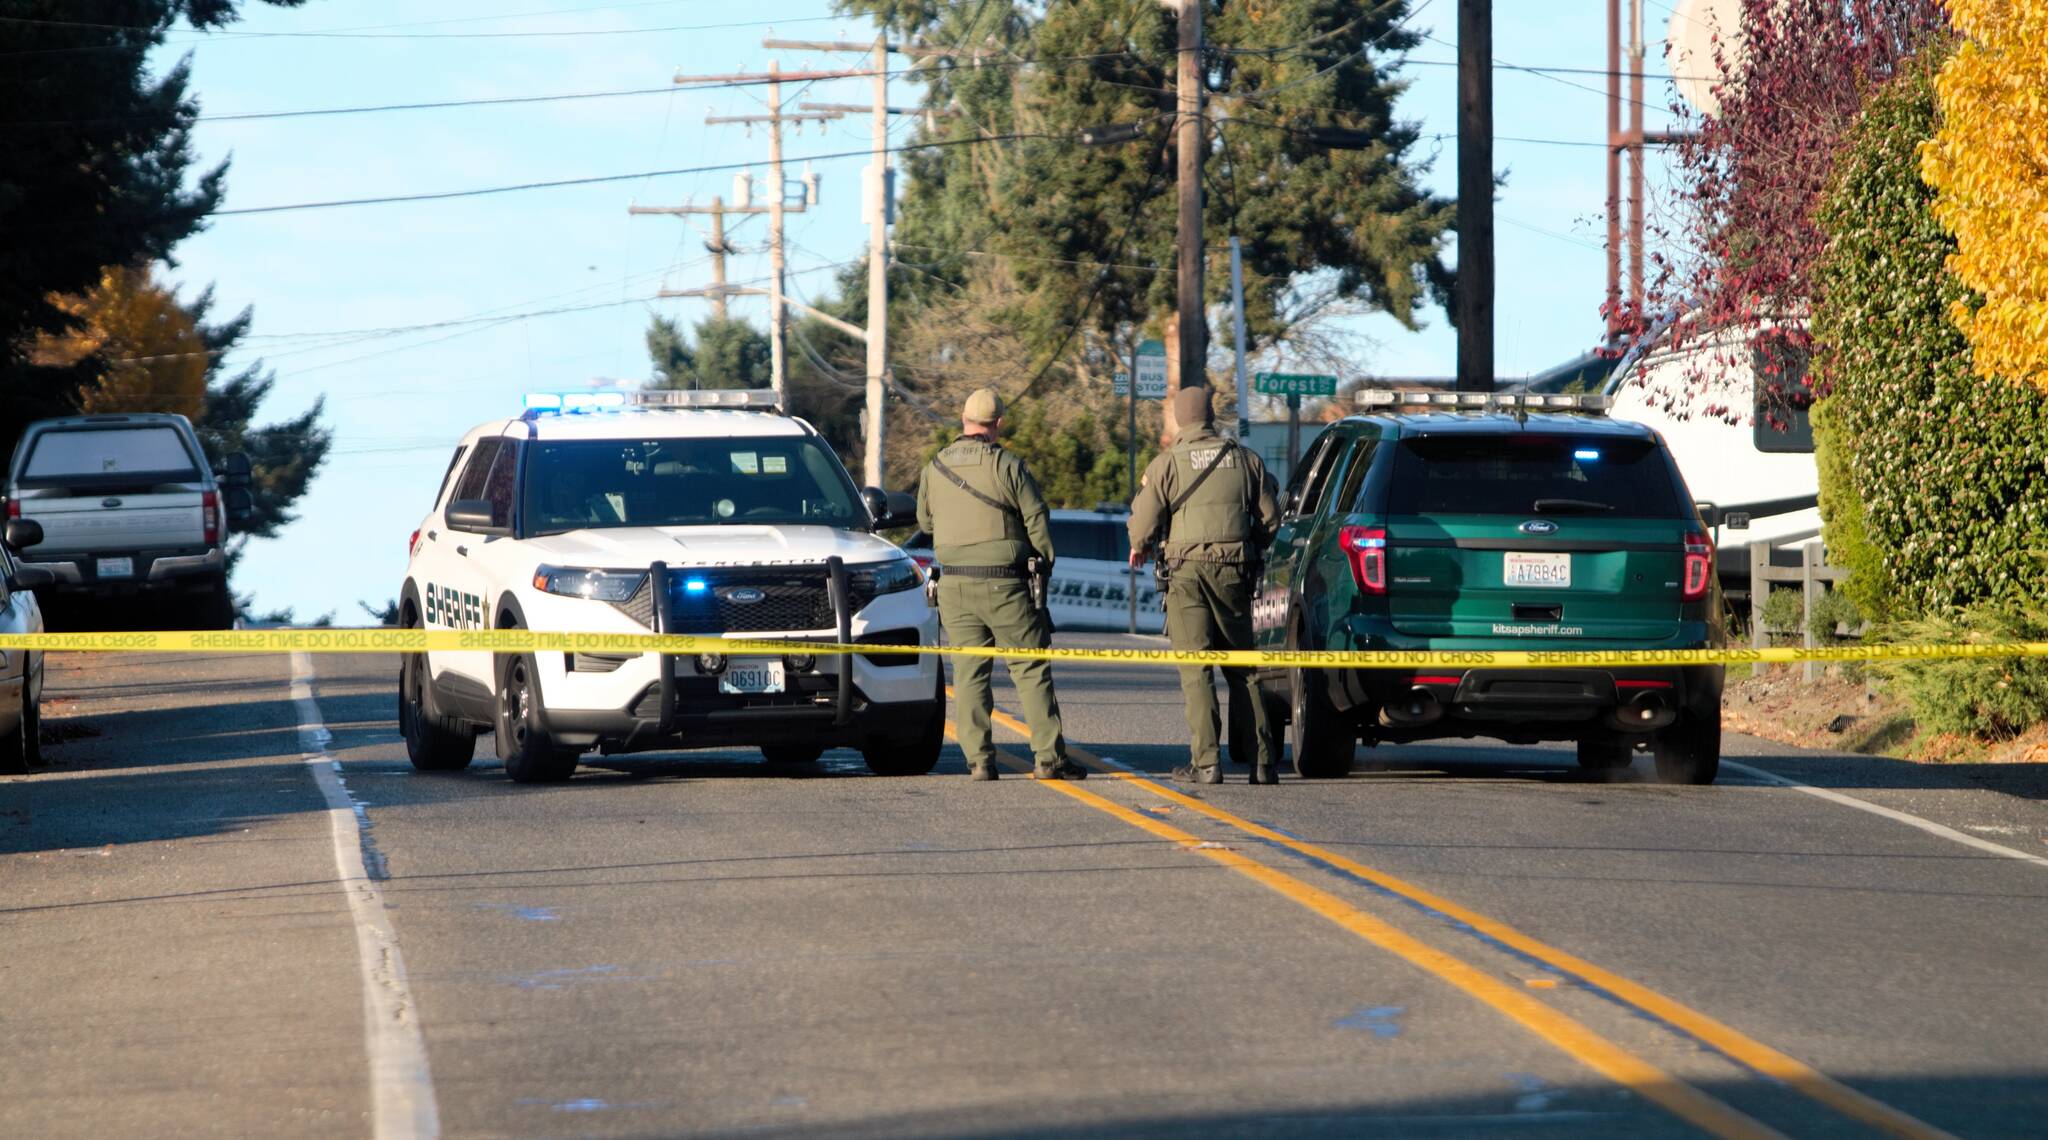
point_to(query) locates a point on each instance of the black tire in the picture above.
(1689, 752)
(791, 755)
(529, 753)
(913, 755)
(1321, 741)
(22, 749)
(1605, 755)
(217, 608)
(433, 742)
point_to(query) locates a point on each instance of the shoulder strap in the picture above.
(1181, 500)
(954, 478)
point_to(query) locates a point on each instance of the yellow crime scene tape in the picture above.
(384, 640)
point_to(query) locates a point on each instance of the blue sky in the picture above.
(398, 401)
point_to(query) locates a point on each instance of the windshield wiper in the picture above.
(1547, 506)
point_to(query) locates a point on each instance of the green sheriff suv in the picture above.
(1468, 521)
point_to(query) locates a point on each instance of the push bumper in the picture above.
(648, 702)
(701, 717)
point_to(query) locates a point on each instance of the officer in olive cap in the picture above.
(988, 523)
(1213, 504)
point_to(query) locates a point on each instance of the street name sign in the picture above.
(1294, 384)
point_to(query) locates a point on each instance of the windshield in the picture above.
(580, 484)
(1533, 474)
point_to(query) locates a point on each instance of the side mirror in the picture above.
(23, 533)
(890, 509)
(32, 578)
(235, 471)
(240, 503)
(476, 516)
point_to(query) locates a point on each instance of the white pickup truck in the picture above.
(128, 505)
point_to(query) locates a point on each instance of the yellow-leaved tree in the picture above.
(1988, 165)
(148, 354)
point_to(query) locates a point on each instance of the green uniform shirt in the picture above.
(968, 532)
(1229, 518)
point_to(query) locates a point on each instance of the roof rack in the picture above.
(1521, 403)
(576, 403)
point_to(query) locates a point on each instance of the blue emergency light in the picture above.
(695, 585)
(574, 401)
(1585, 453)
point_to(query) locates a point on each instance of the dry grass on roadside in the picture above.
(1845, 714)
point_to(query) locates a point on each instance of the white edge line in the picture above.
(401, 1087)
(1926, 825)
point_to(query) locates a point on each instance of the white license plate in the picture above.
(116, 568)
(751, 677)
(1539, 571)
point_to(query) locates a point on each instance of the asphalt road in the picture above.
(1458, 940)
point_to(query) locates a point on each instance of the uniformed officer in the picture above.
(988, 521)
(1213, 504)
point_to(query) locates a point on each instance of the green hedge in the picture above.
(1935, 480)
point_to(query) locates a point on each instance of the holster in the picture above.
(931, 585)
(1038, 575)
(1161, 575)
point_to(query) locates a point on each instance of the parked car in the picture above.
(127, 505)
(1473, 522)
(1091, 574)
(21, 671)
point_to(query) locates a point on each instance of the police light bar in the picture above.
(1485, 401)
(749, 399)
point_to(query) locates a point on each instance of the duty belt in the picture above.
(985, 571)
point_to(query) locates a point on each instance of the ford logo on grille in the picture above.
(1538, 526)
(742, 595)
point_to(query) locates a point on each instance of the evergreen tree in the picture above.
(92, 171)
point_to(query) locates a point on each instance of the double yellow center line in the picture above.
(1567, 1034)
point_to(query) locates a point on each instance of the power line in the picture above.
(222, 35)
(551, 184)
(444, 104)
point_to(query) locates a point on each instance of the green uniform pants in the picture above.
(998, 612)
(1209, 606)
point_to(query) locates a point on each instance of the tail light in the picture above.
(209, 510)
(14, 508)
(412, 545)
(1699, 567)
(1366, 548)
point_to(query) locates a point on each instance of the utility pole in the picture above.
(777, 206)
(1193, 330)
(878, 202)
(1475, 196)
(717, 247)
(878, 207)
(778, 314)
(1615, 145)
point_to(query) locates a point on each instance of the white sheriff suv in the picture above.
(702, 512)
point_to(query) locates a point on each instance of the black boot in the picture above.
(1190, 774)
